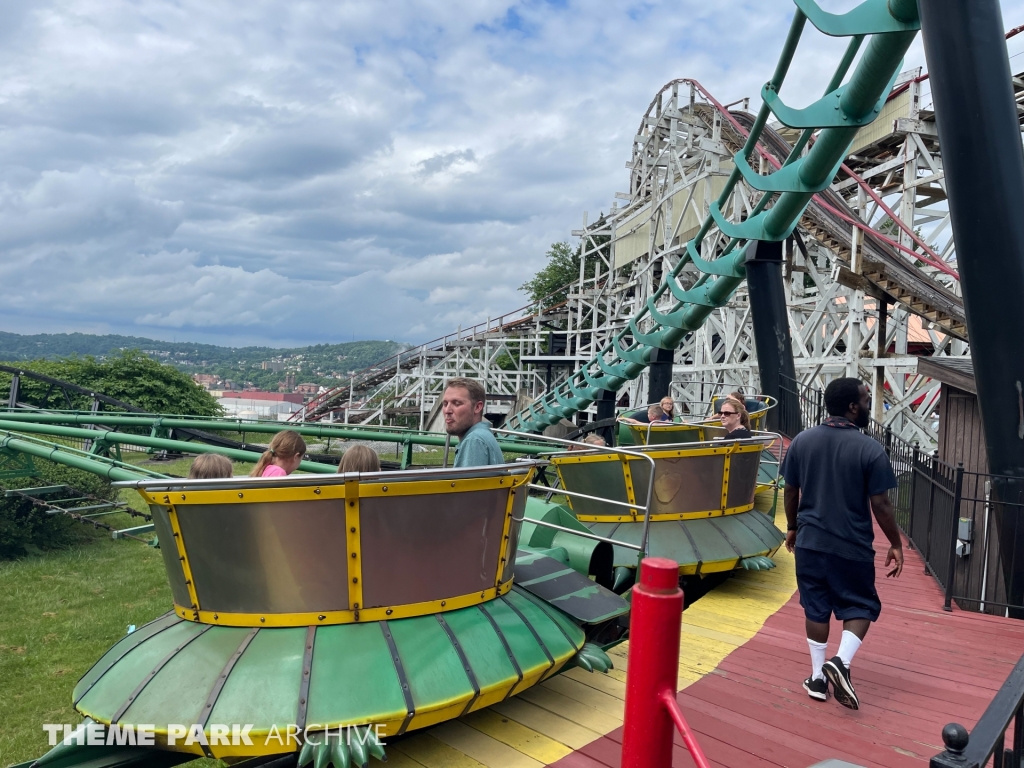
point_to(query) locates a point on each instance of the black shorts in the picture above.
(830, 584)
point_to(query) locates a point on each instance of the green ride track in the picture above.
(833, 121)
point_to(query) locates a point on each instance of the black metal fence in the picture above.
(967, 526)
(810, 406)
(988, 739)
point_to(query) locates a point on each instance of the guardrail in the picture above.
(644, 547)
(988, 739)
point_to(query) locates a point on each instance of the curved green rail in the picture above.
(836, 117)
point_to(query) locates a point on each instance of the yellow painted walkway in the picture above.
(545, 723)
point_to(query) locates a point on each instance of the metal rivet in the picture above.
(353, 555)
(216, 617)
(351, 503)
(355, 579)
(317, 490)
(239, 495)
(183, 497)
(352, 529)
(262, 620)
(388, 612)
(453, 485)
(321, 617)
(385, 488)
(443, 603)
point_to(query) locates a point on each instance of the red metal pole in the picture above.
(653, 667)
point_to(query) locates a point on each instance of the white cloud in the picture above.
(279, 172)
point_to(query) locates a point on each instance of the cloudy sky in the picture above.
(302, 172)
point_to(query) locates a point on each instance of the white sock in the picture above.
(817, 658)
(848, 647)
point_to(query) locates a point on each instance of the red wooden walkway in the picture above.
(919, 668)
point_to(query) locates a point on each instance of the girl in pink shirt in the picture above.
(282, 456)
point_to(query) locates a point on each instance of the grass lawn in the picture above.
(61, 610)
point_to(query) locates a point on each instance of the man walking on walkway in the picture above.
(836, 476)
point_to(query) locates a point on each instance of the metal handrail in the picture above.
(523, 466)
(644, 548)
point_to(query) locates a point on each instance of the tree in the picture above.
(563, 269)
(131, 377)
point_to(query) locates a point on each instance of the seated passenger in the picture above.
(359, 458)
(654, 415)
(735, 419)
(668, 405)
(208, 466)
(463, 409)
(282, 457)
(594, 439)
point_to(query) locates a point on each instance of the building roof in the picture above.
(955, 371)
(288, 397)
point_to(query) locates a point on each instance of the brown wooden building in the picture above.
(962, 440)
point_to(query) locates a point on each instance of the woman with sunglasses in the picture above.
(735, 419)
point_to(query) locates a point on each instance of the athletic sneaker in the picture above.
(839, 675)
(817, 688)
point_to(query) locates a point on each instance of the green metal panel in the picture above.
(179, 691)
(263, 687)
(571, 628)
(690, 542)
(551, 634)
(435, 671)
(528, 654)
(483, 648)
(566, 589)
(113, 689)
(121, 648)
(353, 678)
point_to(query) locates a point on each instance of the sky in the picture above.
(289, 173)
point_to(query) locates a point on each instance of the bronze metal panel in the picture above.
(267, 557)
(714, 432)
(687, 484)
(743, 478)
(596, 478)
(169, 551)
(421, 548)
(674, 435)
(640, 471)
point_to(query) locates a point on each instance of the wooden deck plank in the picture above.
(424, 749)
(520, 737)
(743, 658)
(481, 747)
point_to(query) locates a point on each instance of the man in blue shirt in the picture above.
(463, 409)
(836, 476)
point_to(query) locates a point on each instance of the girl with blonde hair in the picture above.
(359, 458)
(282, 457)
(208, 466)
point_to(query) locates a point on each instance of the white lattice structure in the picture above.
(875, 245)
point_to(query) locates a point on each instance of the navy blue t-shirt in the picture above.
(837, 470)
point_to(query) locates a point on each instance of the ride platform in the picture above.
(742, 663)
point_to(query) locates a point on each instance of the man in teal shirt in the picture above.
(463, 409)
